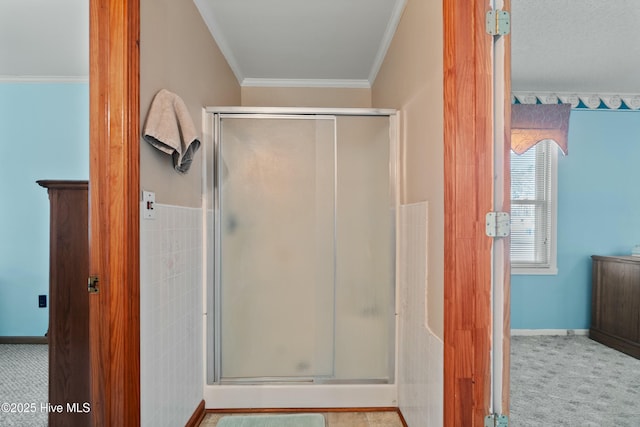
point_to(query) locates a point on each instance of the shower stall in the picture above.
(300, 257)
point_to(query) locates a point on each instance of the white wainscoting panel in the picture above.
(171, 349)
(421, 362)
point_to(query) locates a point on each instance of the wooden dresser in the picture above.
(69, 384)
(615, 303)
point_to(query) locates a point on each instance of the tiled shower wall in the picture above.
(421, 363)
(171, 372)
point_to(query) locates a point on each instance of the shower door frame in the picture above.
(293, 394)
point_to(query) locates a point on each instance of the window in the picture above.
(533, 209)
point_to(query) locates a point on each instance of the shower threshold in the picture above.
(300, 380)
(300, 395)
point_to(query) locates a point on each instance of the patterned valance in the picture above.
(532, 123)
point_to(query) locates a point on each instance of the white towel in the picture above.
(170, 128)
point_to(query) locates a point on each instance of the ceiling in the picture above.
(569, 46)
(581, 46)
(298, 42)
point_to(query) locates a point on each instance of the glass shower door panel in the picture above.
(365, 249)
(276, 247)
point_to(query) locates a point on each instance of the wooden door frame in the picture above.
(114, 233)
(114, 211)
(469, 182)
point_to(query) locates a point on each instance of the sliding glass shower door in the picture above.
(277, 246)
(305, 249)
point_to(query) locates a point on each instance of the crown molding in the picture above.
(390, 31)
(584, 101)
(320, 83)
(205, 8)
(44, 79)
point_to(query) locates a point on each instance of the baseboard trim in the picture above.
(299, 410)
(402, 420)
(551, 332)
(197, 417)
(23, 340)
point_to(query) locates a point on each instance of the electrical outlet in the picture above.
(42, 301)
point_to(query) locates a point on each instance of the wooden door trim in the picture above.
(114, 211)
(468, 170)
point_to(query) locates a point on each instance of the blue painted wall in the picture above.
(598, 214)
(44, 134)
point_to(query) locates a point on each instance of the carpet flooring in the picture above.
(23, 385)
(572, 381)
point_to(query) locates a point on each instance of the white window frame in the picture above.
(552, 267)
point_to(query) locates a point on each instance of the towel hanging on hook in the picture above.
(169, 128)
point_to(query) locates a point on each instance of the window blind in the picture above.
(531, 207)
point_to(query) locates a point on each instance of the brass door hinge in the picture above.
(92, 285)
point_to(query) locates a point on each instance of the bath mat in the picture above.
(272, 420)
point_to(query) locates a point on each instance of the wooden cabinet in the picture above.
(69, 383)
(615, 305)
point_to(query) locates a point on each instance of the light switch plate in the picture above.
(148, 205)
